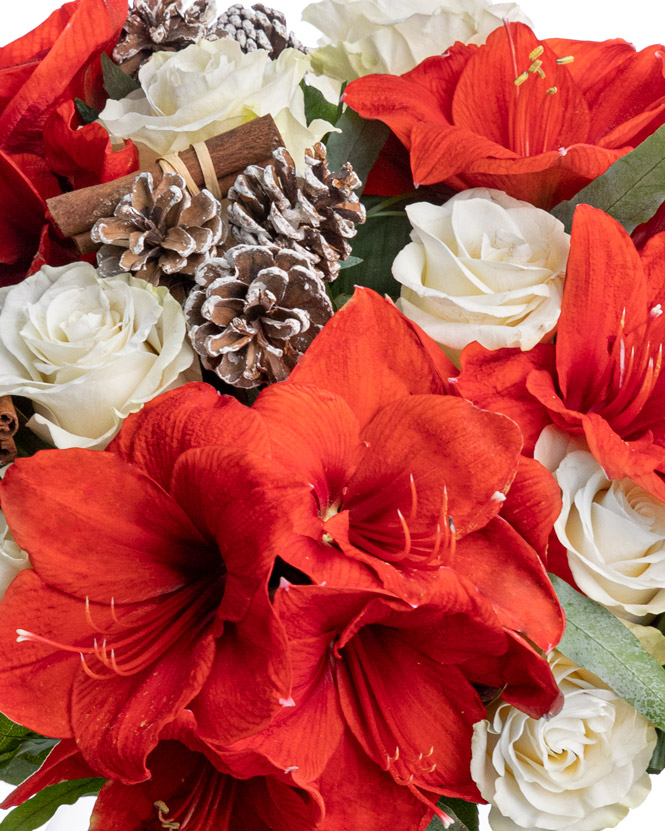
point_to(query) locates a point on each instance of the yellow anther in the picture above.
(551, 91)
(327, 539)
(537, 52)
(541, 72)
(521, 79)
(566, 59)
(535, 66)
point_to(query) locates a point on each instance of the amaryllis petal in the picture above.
(374, 326)
(194, 415)
(441, 151)
(496, 380)
(22, 211)
(360, 795)
(137, 706)
(63, 502)
(543, 113)
(31, 670)
(533, 504)
(501, 564)
(426, 451)
(240, 501)
(597, 295)
(321, 426)
(93, 27)
(593, 61)
(250, 679)
(84, 154)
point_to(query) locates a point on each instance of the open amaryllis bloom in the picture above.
(191, 788)
(147, 591)
(400, 679)
(538, 120)
(608, 387)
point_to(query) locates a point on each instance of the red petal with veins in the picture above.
(501, 564)
(62, 502)
(597, 294)
(496, 380)
(84, 154)
(194, 415)
(391, 357)
(533, 504)
(86, 29)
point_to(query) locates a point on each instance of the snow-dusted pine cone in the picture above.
(315, 214)
(163, 26)
(257, 28)
(160, 234)
(254, 312)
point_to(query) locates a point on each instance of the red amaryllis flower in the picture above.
(511, 115)
(604, 377)
(190, 788)
(83, 154)
(58, 60)
(400, 679)
(146, 591)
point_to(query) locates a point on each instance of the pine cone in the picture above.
(163, 26)
(159, 234)
(256, 311)
(315, 214)
(257, 28)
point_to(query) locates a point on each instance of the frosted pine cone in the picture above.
(163, 26)
(315, 214)
(254, 313)
(159, 234)
(257, 28)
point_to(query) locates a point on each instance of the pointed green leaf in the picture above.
(349, 262)
(41, 807)
(631, 190)
(598, 641)
(87, 113)
(359, 143)
(116, 82)
(318, 106)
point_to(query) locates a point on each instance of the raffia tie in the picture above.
(173, 163)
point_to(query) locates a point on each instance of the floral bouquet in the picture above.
(332, 419)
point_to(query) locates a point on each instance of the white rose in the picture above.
(393, 36)
(613, 530)
(483, 267)
(211, 87)
(581, 770)
(87, 351)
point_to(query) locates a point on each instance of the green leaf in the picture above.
(88, 114)
(631, 190)
(657, 762)
(27, 444)
(349, 262)
(116, 82)
(376, 245)
(463, 814)
(596, 640)
(318, 106)
(16, 766)
(11, 735)
(359, 143)
(41, 807)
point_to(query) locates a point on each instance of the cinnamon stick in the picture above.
(8, 417)
(74, 213)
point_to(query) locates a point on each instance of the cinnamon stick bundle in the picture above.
(74, 213)
(8, 417)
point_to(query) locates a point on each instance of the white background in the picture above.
(642, 22)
